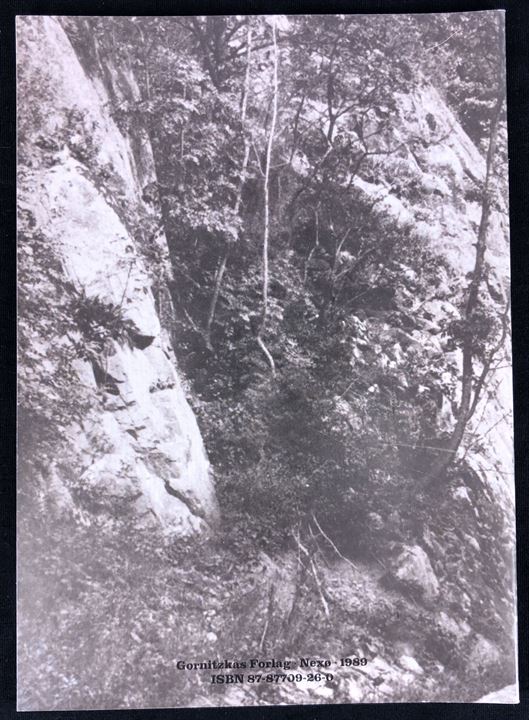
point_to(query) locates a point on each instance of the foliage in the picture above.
(347, 429)
(59, 325)
(340, 442)
(50, 395)
(98, 322)
(119, 602)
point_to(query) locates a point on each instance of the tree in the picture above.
(471, 386)
(246, 155)
(266, 192)
(264, 132)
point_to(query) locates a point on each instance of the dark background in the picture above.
(517, 29)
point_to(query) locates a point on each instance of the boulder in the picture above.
(458, 628)
(409, 663)
(413, 570)
(484, 653)
(354, 692)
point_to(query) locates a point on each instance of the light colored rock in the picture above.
(385, 688)
(461, 493)
(377, 668)
(473, 542)
(354, 691)
(375, 521)
(99, 255)
(413, 569)
(408, 678)
(409, 663)
(48, 59)
(484, 653)
(448, 624)
(139, 451)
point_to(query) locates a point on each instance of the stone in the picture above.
(461, 493)
(375, 521)
(385, 688)
(408, 678)
(354, 691)
(459, 628)
(409, 663)
(377, 668)
(484, 653)
(473, 542)
(413, 569)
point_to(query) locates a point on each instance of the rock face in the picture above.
(413, 570)
(82, 181)
(438, 201)
(439, 172)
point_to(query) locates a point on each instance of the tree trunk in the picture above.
(448, 453)
(266, 231)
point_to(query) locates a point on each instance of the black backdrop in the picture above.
(517, 29)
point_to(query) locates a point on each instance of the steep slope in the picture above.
(81, 182)
(413, 580)
(433, 187)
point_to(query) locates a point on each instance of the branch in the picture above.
(214, 300)
(349, 562)
(267, 355)
(319, 585)
(314, 573)
(268, 615)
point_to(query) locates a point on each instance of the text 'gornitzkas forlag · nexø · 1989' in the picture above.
(265, 408)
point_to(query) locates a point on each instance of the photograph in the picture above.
(264, 428)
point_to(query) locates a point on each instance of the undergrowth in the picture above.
(107, 612)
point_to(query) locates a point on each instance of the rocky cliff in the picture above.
(433, 187)
(330, 543)
(81, 188)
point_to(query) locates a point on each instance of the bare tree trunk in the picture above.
(469, 399)
(224, 261)
(266, 231)
(314, 247)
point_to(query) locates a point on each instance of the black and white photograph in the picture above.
(265, 435)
